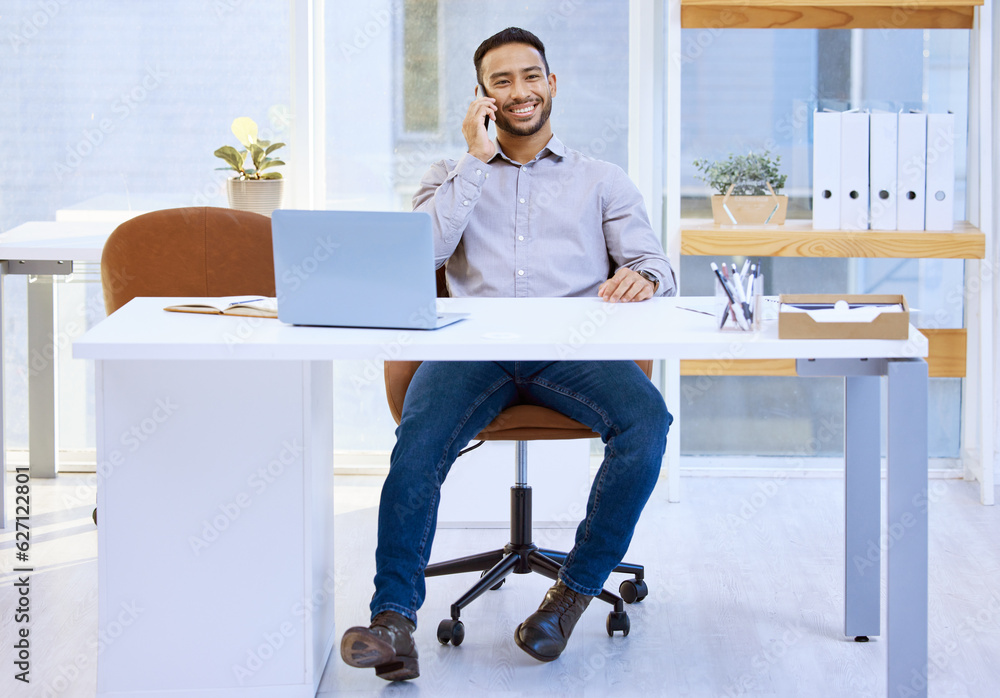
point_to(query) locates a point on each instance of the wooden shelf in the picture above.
(946, 358)
(796, 238)
(829, 14)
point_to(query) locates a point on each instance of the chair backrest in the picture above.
(198, 251)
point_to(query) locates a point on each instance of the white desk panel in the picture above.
(51, 241)
(497, 329)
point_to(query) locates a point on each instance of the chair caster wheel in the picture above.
(633, 590)
(495, 586)
(618, 620)
(861, 638)
(94, 515)
(451, 630)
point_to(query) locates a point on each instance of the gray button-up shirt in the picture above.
(554, 226)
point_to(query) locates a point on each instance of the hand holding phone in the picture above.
(476, 136)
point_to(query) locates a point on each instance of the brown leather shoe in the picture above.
(544, 633)
(387, 645)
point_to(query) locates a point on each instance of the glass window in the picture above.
(755, 89)
(116, 107)
(400, 78)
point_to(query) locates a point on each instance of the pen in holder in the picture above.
(739, 304)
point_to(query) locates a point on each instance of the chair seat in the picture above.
(517, 423)
(533, 423)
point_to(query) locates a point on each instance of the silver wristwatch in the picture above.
(651, 278)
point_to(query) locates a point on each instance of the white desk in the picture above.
(194, 412)
(45, 249)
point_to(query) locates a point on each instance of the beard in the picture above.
(528, 129)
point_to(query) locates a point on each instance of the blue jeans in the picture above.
(448, 403)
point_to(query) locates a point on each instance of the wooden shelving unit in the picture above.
(950, 350)
(797, 238)
(829, 14)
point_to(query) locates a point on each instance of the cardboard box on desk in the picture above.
(886, 325)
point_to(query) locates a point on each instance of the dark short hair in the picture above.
(510, 35)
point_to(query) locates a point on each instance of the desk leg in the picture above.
(907, 532)
(672, 369)
(862, 505)
(41, 378)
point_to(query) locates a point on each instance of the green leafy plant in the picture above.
(751, 174)
(245, 130)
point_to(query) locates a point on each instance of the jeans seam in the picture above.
(428, 524)
(599, 485)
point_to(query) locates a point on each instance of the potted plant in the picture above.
(747, 187)
(253, 189)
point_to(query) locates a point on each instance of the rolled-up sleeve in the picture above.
(630, 238)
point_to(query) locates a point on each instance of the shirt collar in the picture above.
(554, 146)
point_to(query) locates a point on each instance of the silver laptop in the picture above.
(356, 269)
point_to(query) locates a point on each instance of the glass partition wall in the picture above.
(754, 90)
(112, 108)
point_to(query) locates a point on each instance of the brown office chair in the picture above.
(520, 423)
(197, 251)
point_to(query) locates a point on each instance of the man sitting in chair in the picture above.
(523, 217)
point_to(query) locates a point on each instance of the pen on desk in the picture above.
(750, 296)
(746, 266)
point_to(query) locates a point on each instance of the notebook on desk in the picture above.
(356, 269)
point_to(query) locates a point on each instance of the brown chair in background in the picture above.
(198, 251)
(520, 423)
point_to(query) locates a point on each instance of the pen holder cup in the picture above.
(739, 316)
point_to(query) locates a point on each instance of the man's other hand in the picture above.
(474, 128)
(626, 286)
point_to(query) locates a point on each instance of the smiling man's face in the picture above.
(514, 75)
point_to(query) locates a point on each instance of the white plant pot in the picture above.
(257, 195)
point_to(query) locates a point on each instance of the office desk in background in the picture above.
(215, 452)
(43, 249)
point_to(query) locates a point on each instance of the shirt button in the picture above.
(520, 272)
(479, 172)
(520, 237)
(465, 203)
(521, 200)
(523, 168)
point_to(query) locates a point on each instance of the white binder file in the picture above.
(940, 201)
(882, 170)
(911, 167)
(854, 140)
(826, 170)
